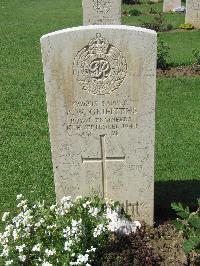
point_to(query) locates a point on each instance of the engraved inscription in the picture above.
(102, 6)
(100, 67)
(103, 159)
(197, 8)
(102, 116)
(131, 208)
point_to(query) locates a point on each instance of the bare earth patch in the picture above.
(150, 246)
(181, 71)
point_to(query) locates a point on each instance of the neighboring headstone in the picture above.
(193, 13)
(169, 5)
(99, 12)
(101, 88)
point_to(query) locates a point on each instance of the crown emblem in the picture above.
(98, 45)
(100, 67)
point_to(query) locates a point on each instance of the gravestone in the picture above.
(100, 85)
(193, 13)
(99, 12)
(169, 5)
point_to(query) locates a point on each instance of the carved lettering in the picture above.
(131, 208)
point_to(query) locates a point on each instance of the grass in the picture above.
(24, 144)
(177, 129)
(181, 45)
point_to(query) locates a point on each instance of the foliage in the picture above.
(162, 54)
(134, 12)
(189, 224)
(130, 2)
(68, 234)
(153, 11)
(169, 27)
(186, 26)
(156, 24)
(196, 54)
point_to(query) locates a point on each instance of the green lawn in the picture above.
(24, 144)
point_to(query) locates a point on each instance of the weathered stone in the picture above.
(169, 5)
(193, 13)
(99, 12)
(100, 86)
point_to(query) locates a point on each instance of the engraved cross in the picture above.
(103, 160)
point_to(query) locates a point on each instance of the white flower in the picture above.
(22, 203)
(39, 223)
(50, 252)
(83, 258)
(4, 217)
(25, 207)
(93, 211)
(52, 208)
(65, 199)
(8, 262)
(9, 227)
(46, 263)
(137, 224)
(67, 205)
(37, 247)
(99, 230)
(41, 204)
(5, 251)
(22, 258)
(78, 197)
(19, 196)
(15, 235)
(49, 227)
(92, 249)
(87, 203)
(66, 232)
(20, 248)
(68, 245)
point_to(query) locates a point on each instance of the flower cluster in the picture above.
(64, 234)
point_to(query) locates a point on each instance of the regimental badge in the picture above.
(102, 6)
(100, 67)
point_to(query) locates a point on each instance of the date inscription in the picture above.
(88, 117)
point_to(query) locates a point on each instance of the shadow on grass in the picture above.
(185, 191)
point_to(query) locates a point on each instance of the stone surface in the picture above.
(169, 5)
(101, 86)
(99, 12)
(193, 13)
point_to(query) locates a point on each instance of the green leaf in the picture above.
(195, 221)
(198, 200)
(188, 245)
(178, 207)
(179, 225)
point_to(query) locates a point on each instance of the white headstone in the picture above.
(101, 86)
(169, 5)
(193, 13)
(99, 12)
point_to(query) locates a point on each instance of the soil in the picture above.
(150, 246)
(181, 71)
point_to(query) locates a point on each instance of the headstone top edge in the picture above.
(93, 27)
